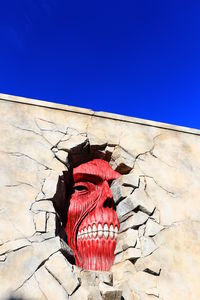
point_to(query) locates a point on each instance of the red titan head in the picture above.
(92, 223)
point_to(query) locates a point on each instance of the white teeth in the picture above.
(105, 227)
(89, 231)
(85, 233)
(106, 233)
(111, 227)
(100, 227)
(100, 233)
(94, 229)
(100, 230)
(111, 234)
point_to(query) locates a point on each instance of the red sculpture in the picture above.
(92, 222)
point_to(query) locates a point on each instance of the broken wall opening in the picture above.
(136, 212)
(73, 151)
(133, 206)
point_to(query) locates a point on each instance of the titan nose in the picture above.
(106, 199)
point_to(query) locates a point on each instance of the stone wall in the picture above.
(157, 202)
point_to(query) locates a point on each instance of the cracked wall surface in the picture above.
(157, 203)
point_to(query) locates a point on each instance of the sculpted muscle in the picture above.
(92, 222)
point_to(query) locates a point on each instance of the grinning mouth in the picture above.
(96, 240)
(96, 245)
(100, 231)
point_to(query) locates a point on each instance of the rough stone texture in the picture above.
(178, 255)
(121, 160)
(120, 192)
(72, 143)
(59, 267)
(126, 240)
(132, 282)
(130, 254)
(87, 293)
(31, 289)
(93, 278)
(148, 265)
(46, 206)
(49, 286)
(148, 246)
(131, 179)
(134, 221)
(61, 156)
(125, 206)
(157, 201)
(96, 142)
(48, 188)
(109, 293)
(152, 228)
(13, 245)
(2, 257)
(22, 263)
(137, 200)
(39, 220)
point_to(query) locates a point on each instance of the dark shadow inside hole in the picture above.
(108, 203)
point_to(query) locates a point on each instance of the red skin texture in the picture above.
(92, 203)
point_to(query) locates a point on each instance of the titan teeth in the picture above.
(94, 234)
(106, 233)
(100, 230)
(111, 234)
(100, 233)
(100, 227)
(111, 227)
(89, 231)
(105, 227)
(85, 233)
(94, 229)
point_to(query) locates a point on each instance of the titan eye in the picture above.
(80, 188)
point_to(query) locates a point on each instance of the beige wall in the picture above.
(161, 259)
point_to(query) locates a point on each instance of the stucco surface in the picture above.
(158, 204)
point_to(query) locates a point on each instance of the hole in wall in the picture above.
(75, 157)
(132, 221)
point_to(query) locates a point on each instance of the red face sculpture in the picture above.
(92, 223)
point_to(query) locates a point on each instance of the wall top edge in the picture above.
(74, 109)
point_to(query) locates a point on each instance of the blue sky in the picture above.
(137, 58)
